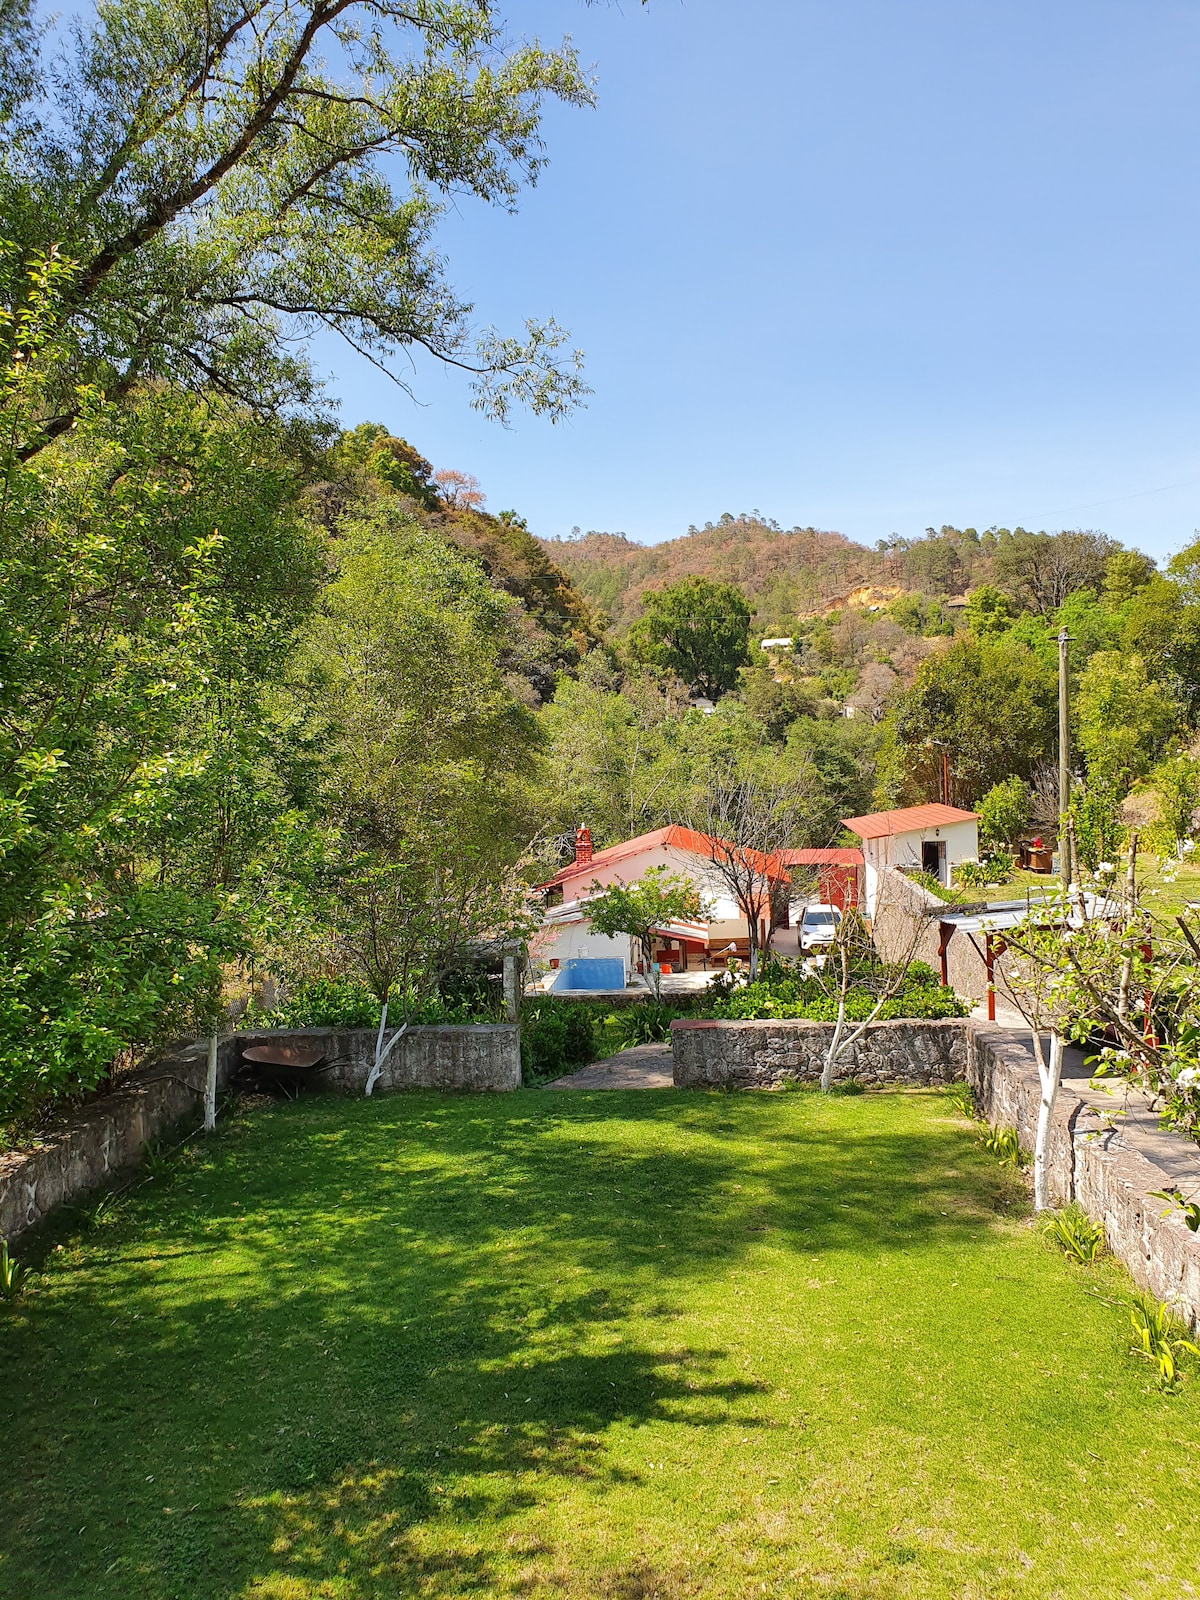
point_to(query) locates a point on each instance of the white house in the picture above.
(933, 838)
(565, 936)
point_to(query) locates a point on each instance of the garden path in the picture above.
(643, 1066)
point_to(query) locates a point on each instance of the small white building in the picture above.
(565, 937)
(933, 839)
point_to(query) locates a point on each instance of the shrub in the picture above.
(648, 1023)
(995, 868)
(1074, 1232)
(1160, 1337)
(1000, 865)
(782, 991)
(961, 1098)
(1004, 811)
(556, 1037)
(14, 1277)
(1004, 1145)
(341, 1003)
(319, 1003)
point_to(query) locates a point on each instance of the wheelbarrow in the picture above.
(282, 1069)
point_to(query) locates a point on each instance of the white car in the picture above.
(819, 926)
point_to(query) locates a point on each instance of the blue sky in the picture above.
(865, 264)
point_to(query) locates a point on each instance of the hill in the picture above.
(786, 573)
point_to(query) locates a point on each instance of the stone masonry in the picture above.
(765, 1055)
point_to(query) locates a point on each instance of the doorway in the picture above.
(933, 858)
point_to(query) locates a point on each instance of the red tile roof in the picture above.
(821, 858)
(686, 839)
(911, 819)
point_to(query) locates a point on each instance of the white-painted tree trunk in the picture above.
(382, 1051)
(512, 989)
(1050, 1077)
(376, 1065)
(835, 1043)
(210, 1086)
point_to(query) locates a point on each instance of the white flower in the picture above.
(1105, 866)
(1188, 1078)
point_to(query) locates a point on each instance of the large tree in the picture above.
(227, 181)
(154, 568)
(987, 705)
(698, 630)
(1125, 716)
(1043, 569)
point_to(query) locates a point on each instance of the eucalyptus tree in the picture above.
(228, 179)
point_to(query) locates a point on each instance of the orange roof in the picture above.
(911, 819)
(839, 857)
(697, 844)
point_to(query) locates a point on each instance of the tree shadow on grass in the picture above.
(345, 1342)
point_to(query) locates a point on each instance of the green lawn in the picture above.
(1164, 897)
(562, 1345)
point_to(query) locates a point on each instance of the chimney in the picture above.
(583, 847)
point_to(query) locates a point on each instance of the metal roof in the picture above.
(839, 857)
(1010, 913)
(687, 840)
(910, 819)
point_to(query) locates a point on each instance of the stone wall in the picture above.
(111, 1132)
(476, 1057)
(764, 1055)
(104, 1137)
(905, 909)
(1092, 1164)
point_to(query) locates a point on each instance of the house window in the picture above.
(554, 896)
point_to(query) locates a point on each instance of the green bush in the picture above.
(1004, 811)
(648, 1022)
(997, 867)
(1074, 1232)
(341, 1003)
(557, 1036)
(785, 992)
(320, 1003)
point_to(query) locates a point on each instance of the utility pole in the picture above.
(1064, 763)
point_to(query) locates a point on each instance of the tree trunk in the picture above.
(1050, 1076)
(653, 976)
(835, 1045)
(376, 1065)
(512, 991)
(210, 1087)
(839, 1026)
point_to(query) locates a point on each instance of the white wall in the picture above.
(570, 941)
(904, 850)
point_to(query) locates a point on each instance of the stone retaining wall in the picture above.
(111, 1132)
(765, 1055)
(104, 1137)
(904, 911)
(1089, 1162)
(476, 1057)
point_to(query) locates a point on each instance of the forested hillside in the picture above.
(796, 572)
